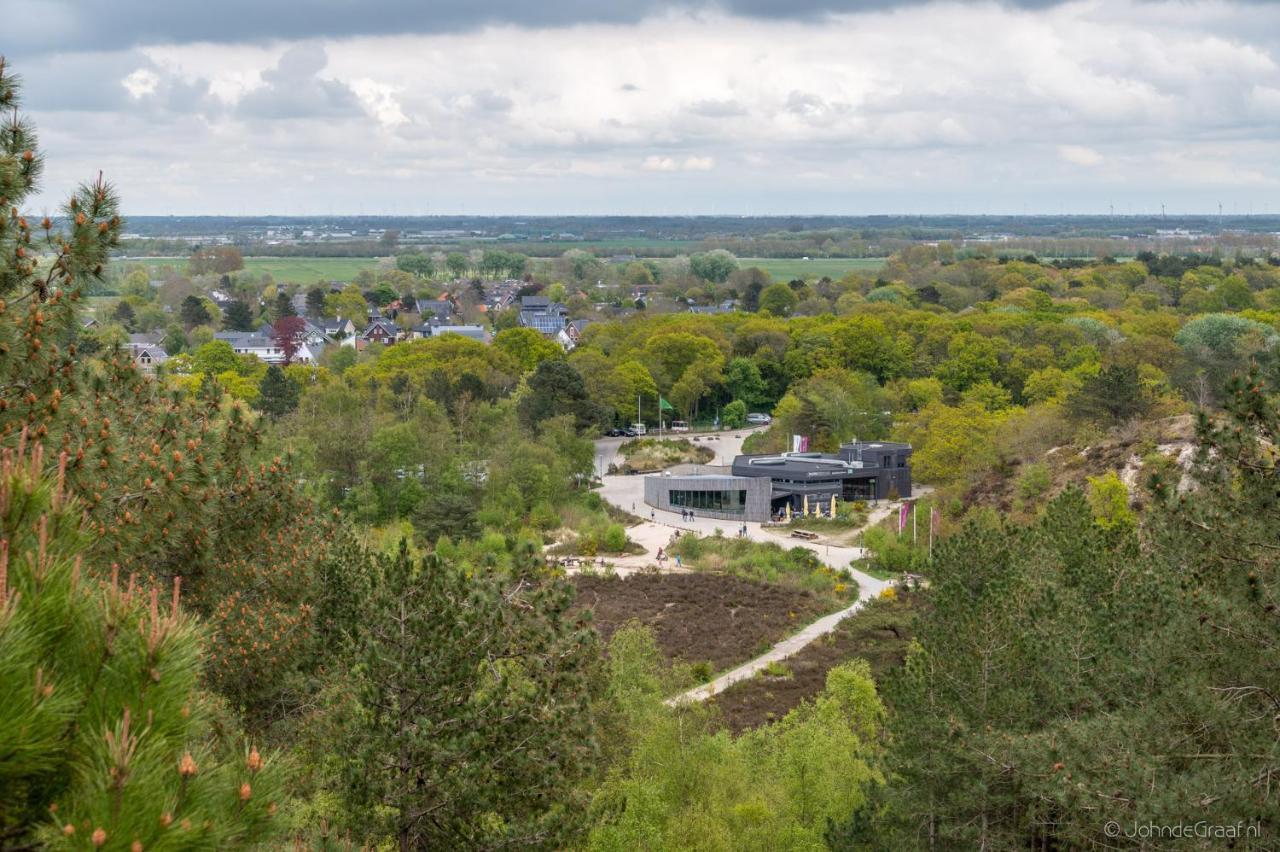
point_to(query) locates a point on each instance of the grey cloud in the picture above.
(81, 81)
(487, 100)
(293, 90)
(129, 23)
(1162, 92)
(712, 108)
(95, 82)
(813, 107)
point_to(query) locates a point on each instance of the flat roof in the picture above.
(675, 476)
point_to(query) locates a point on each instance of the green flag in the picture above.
(663, 405)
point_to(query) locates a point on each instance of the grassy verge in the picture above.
(796, 567)
(587, 527)
(649, 454)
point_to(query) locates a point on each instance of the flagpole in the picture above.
(932, 514)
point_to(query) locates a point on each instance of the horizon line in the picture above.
(1040, 215)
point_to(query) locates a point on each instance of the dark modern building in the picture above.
(709, 495)
(760, 487)
(862, 470)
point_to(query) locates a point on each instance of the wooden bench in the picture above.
(804, 534)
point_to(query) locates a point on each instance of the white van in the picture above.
(679, 426)
(638, 428)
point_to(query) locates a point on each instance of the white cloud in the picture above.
(545, 120)
(142, 82)
(380, 100)
(655, 163)
(1081, 155)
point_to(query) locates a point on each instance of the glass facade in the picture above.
(859, 489)
(715, 501)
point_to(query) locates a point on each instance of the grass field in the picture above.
(289, 270)
(308, 270)
(787, 268)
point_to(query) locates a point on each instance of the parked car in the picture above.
(637, 429)
(758, 419)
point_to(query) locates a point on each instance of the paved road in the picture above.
(627, 492)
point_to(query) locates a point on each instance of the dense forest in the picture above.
(246, 606)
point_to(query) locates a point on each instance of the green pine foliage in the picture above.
(277, 393)
(106, 736)
(1085, 669)
(472, 721)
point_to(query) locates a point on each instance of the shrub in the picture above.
(1034, 481)
(777, 669)
(734, 415)
(798, 567)
(544, 517)
(615, 538)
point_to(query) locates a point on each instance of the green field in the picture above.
(308, 270)
(787, 268)
(290, 270)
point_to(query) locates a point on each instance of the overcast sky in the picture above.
(598, 106)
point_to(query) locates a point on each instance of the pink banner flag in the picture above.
(902, 517)
(933, 519)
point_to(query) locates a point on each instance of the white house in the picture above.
(264, 348)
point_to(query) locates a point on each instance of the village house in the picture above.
(571, 335)
(340, 330)
(264, 347)
(728, 306)
(542, 315)
(381, 330)
(475, 332)
(146, 351)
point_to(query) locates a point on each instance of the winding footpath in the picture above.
(627, 493)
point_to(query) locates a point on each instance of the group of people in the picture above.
(662, 557)
(687, 515)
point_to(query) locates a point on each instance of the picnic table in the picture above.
(804, 534)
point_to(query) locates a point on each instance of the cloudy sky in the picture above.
(600, 106)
